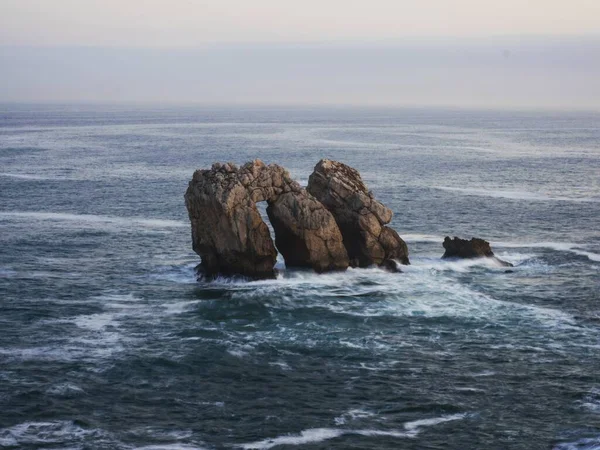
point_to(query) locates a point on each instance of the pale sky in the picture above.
(451, 53)
(160, 23)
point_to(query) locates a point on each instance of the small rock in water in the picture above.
(475, 248)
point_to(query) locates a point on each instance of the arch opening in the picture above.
(231, 234)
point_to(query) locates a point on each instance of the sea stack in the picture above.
(475, 248)
(361, 218)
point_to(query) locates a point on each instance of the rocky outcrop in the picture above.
(360, 217)
(232, 239)
(461, 248)
(475, 248)
(306, 233)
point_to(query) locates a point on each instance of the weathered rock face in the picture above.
(475, 248)
(306, 233)
(360, 217)
(461, 248)
(230, 236)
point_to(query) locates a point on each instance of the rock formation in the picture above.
(360, 217)
(475, 248)
(232, 239)
(306, 233)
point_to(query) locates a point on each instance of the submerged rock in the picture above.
(475, 248)
(232, 239)
(391, 266)
(360, 217)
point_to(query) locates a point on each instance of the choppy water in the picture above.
(108, 342)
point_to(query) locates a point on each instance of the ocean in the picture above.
(107, 341)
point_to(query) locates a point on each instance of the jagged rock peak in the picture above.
(263, 182)
(360, 217)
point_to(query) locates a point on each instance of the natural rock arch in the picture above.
(232, 239)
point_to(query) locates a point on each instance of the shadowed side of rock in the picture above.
(360, 217)
(475, 248)
(306, 233)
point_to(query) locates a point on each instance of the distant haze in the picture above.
(464, 53)
(151, 23)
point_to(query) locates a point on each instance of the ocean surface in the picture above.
(107, 341)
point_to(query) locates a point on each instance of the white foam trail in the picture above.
(415, 424)
(313, 435)
(558, 246)
(80, 349)
(237, 350)
(352, 414)
(175, 308)
(282, 364)
(170, 447)
(591, 256)
(94, 219)
(305, 437)
(515, 195)
(448, 299)
(581, 444)
(461, 265)
(95, 322)
(591, 401)
(415, 237)
(45, 433)
(65, 434)
(22, 176)
(99, 336)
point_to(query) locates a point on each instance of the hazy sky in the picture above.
(191, 22)
(465, 53)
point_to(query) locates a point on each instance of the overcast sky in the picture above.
(151, 23)
(526, 53)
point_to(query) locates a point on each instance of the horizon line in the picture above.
(475, 39)
(299, 106)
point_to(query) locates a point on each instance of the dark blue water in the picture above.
(108, 342)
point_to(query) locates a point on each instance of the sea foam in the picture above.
(314, 435)
(91, 219)
(517, 195)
